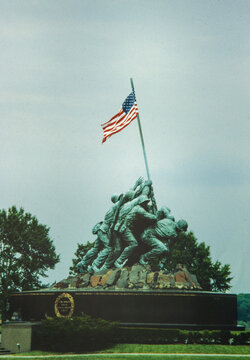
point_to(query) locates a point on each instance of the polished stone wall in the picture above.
(182, 309)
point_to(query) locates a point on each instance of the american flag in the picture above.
(127, 113)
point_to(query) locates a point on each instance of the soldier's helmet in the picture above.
(143, 199)
(171, 217)
(182, 225)
(163, 212)
(115, 198)
(129, 195)
(165, 209)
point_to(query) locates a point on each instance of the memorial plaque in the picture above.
(64, 305)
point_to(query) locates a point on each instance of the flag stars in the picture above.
(128, 103)
(123, 118)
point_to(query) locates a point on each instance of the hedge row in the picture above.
(73, 335)
(81, 334)
(174, 336)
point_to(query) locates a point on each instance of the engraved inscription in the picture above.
(64, 305)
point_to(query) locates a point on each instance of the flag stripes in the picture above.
(123, 118)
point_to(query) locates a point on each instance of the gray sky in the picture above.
(65, 69)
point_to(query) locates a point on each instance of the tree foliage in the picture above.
(26, 252)
(185, 249)
(244, 307)
(79, 254)
(212, 276)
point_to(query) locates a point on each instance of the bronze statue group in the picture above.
(132, 222)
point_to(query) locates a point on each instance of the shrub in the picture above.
(193, 337)
(173, 336)
(241, 338)
(82, 334)
(76, 334)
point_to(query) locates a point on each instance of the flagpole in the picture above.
(141, 136)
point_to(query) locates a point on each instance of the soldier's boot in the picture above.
(119, 265)
(143, 260)
(81, 267)
(95, 268)
(104, 267)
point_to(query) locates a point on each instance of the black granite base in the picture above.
(169, 308)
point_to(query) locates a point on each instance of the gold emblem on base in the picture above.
(64, 305)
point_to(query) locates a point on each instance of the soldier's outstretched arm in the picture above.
(147, 215)
(138, 182)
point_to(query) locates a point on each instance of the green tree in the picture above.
(244, 308)
(185, 249)
(80, 252)
(26, 253)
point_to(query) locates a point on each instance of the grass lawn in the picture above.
(156, 352)
(179, 348)
(137, 357)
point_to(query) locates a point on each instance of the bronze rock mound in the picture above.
(134, 277)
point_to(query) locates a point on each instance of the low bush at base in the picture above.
(82, 334)
(77, 334)
(175, 336)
